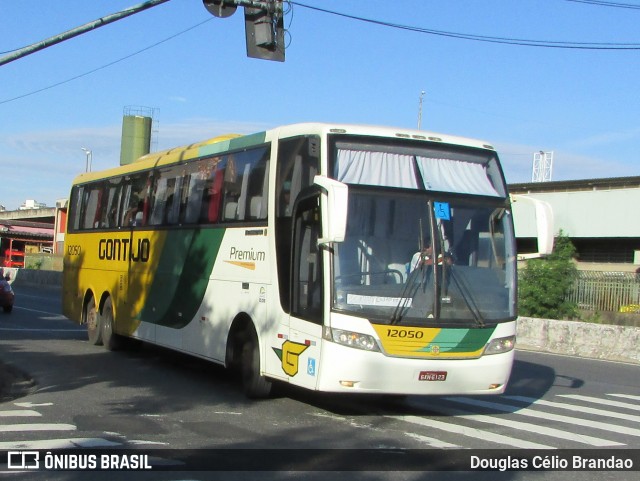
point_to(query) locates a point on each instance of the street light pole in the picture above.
(89, 158)
(420, 109)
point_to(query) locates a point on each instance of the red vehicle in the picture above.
(7, 295)
(13, 258)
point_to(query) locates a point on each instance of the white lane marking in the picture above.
(549, 416)
(58, 444)
(433, 442)
(574, 407)
(141, 442)
(19, 413)
(606, 402)
(533, 428)
(54, 315)
(628, 396)
(32, 405)
(23, 329)
(471, 432)
(6, 428)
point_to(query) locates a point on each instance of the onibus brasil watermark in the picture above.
(35, 460)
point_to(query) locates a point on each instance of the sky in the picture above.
(191, 68)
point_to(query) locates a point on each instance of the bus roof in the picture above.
(379, 131)
(228, 142)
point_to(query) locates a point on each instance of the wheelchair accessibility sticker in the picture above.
(311, 367)
(442, 210)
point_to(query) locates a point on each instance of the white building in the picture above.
(30, 204)
(600, 216)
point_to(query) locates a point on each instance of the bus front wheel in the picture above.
(92, 319)
(254, 384)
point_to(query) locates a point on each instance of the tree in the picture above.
(545, 283)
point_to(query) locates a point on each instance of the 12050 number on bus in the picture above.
(405, 334)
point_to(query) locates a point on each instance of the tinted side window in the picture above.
(112, 203)
(134, 200)
(246, 185)
(298, 163)
(75, 207)
(298, 160)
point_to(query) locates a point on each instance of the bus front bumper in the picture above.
(373, 372)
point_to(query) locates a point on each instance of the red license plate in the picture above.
(432, 376)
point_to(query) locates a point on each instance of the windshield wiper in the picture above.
(416, 272)
(410, 289)
(467, 297)
(442, 285)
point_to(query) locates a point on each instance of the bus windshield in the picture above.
(411, 259)
(429, 240)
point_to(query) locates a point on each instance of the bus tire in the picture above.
(254, 384)
(92, 320)
(109, 338)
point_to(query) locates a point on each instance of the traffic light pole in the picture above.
(263, 22)
(270, 45)
(23, 52)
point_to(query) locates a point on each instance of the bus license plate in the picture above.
(432, 376)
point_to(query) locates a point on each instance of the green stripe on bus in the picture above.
(182, 276)
(233, 144)
(474, 340)
(460, 340)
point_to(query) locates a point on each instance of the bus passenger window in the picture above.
(173, 201)
(110, 212)
(92, 207)
(135, 192)
(215, 197)
(254, 185)
(194, 199)
(159, 202)
(231, 191)
(75, 206)
(298, 164)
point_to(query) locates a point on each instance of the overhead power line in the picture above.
(149, 47)
(602, 3)
(483, 38)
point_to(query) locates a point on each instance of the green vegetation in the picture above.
(545, 283)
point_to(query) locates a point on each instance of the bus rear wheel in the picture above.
(92, 319)
(254, 384)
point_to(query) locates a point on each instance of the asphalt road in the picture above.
(150, 398)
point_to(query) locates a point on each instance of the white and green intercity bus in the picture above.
(338, 258)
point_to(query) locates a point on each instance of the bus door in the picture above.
(301, 354)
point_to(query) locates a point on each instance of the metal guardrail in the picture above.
(606, 291)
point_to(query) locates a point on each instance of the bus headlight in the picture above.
(351, 339)
(500, 345)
